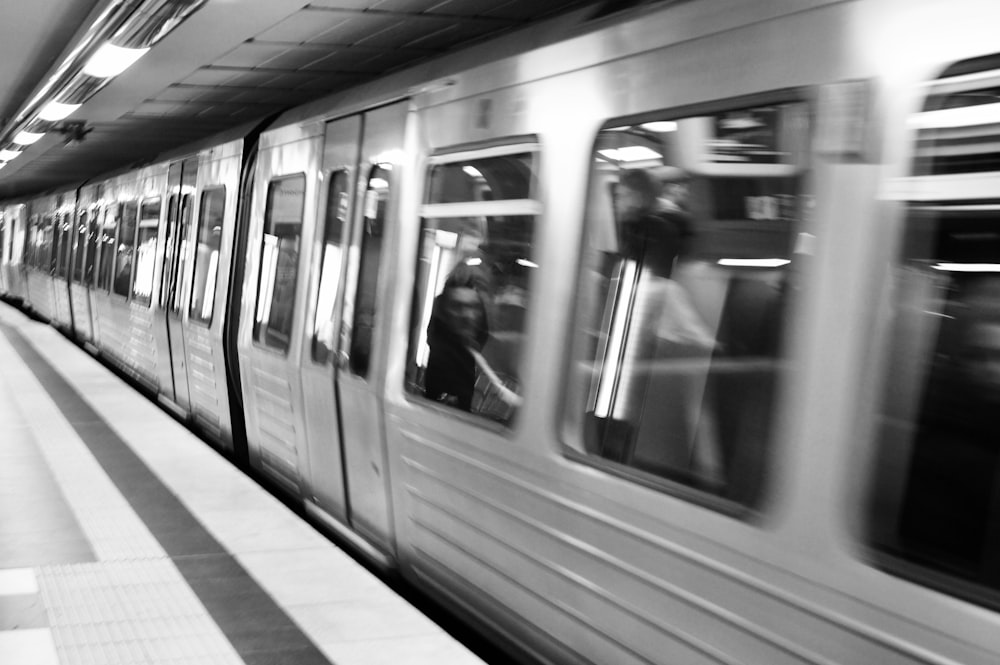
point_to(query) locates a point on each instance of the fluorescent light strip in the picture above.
(55, 111)
(27, 138)
(110, 60)
(967, 267)
(754, 263)
(7, 155)
(964, 116)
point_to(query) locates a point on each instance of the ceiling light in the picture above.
(954, 267)
(7, 155)
(56, 111)
(27, 138)
(111, 60)
(630, 153)
(754, 263)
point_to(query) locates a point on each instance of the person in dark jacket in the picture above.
(456, 329)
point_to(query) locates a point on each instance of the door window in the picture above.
(338, 203)
(145, 252)
(279, 261)
(206, 254)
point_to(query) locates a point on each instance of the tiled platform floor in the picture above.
(125, 539)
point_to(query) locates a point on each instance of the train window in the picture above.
(64, 244)
(178, 223)
(79, 247)
(337, 209)
(145, 250)
(279, 261)
(125, 248)
(376, 203)
(206, 253)
(109, 231)
(691, 225)
(935, 511)
(46, 254)
(473, 280)
(91, 251)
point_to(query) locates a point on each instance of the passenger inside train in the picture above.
(474, 276)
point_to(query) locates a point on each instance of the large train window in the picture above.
(206, 254)
(934, 513)
(691, 226)
(145, 250)
(279, 261)
(338, 203)
(473, 280)
(125, 248)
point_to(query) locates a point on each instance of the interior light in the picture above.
(526, 263)
(7, 155)
(963, 116)
(754, 263)
(630, 153)
(960, 267)
(474, 261)
(110, 60)
(472, 172)
(55, 111)
(27, 138)
(661, 126)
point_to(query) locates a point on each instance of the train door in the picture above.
(321, 357)
(181, 180)
(358, 377)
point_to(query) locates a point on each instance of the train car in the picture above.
(671, 340)
(13, 219)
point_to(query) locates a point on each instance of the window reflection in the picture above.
(691, 227)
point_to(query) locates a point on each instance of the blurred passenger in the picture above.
(457, 328)
(668, 405)
(648, 233)
(956, 455)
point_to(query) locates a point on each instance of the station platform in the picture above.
(126, 539)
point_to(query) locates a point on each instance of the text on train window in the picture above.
(206, 254)
(145, 250)
(473, 280)
(338, 200)
(691, 225)
(934, 507)
(125, 250)
(279, 261)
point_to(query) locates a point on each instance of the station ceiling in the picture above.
(229, 62)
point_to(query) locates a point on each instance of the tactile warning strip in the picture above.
(130, 612)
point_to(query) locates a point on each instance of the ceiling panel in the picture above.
(231, 61)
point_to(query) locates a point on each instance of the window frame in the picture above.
(571, 420)
(196, 242)
(533, 206)
(258, 329)
(142, 223)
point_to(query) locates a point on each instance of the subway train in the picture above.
(670, 336)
